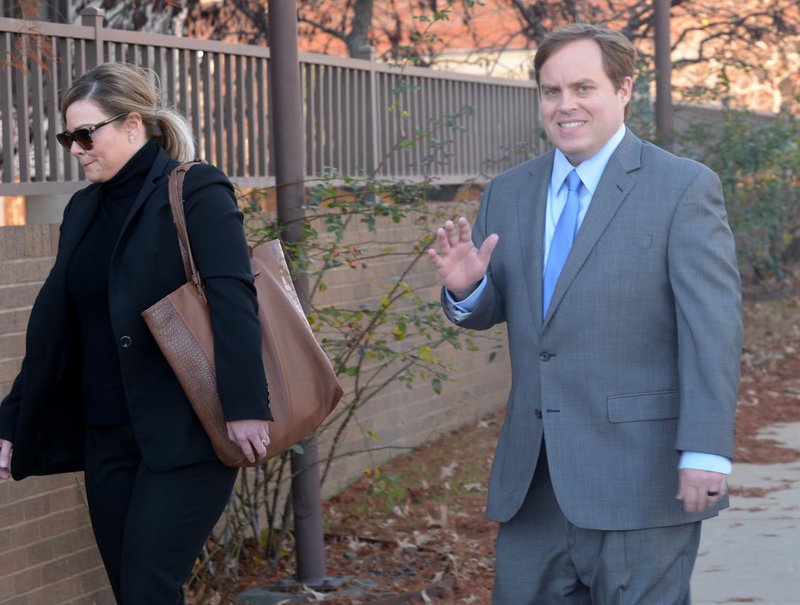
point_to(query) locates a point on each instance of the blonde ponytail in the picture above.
(176, 135)
(124, 88)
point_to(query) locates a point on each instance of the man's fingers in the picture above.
(464, 230)
(699, 502)
(700, 490)
(452, 234)
(487, 247)
(459, 264)
(441, 240)
(691, 502)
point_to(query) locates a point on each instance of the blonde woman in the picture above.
(94, 392)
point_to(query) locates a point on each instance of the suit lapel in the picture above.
(531, 218)
(614, 186)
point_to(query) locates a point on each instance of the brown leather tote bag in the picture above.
(303, 387)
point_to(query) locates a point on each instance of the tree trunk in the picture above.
(359, 31)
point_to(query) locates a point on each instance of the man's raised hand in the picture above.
(459, 263)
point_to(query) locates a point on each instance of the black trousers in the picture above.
(149, 526)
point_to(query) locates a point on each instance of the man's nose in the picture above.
(567, 102)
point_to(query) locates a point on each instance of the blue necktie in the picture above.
(562, 239)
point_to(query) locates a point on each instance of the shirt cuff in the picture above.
(467, 305)
(706, 462)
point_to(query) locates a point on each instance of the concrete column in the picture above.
(45, 209)
(289, 160)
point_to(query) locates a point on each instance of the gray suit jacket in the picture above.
(638, 357)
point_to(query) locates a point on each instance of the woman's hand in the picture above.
(5, 459)
(252, 436)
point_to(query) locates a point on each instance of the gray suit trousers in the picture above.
(543, 559)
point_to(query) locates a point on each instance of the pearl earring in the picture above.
(131, 138)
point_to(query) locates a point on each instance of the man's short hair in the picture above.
(619, 55)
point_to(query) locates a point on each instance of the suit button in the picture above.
(125, 342)
(544, 356)
(538, 413)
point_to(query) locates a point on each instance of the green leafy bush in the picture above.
(758, 161)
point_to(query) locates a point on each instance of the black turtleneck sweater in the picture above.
(87, 286)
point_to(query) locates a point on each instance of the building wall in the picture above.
(400, 418)
(47, 551)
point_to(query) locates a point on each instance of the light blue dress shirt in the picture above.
(590, 171)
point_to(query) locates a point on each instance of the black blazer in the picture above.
(42, 414)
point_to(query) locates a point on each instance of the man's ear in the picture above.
(625, 89)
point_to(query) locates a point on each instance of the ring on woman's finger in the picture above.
(265, 440)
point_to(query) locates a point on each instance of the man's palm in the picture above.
(459, 263)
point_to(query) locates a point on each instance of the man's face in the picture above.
(580, 107)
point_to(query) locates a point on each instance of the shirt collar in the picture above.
(591, 169)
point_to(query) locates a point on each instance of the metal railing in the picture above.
(360, 116)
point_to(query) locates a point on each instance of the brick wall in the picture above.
(404, 417)
(47, 552)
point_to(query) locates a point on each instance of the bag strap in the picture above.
(179, 217)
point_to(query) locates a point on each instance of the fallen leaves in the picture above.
(425, 538)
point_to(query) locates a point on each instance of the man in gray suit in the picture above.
(612, 263)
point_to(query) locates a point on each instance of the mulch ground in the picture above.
(416, 532)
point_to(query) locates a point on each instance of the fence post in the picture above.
(367, 53)
(92, 16)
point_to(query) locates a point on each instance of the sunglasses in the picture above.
(83, 136)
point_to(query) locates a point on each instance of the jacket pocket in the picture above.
(659, 405)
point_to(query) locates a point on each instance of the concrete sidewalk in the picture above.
(751, 552)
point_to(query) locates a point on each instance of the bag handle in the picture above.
(179, 217)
